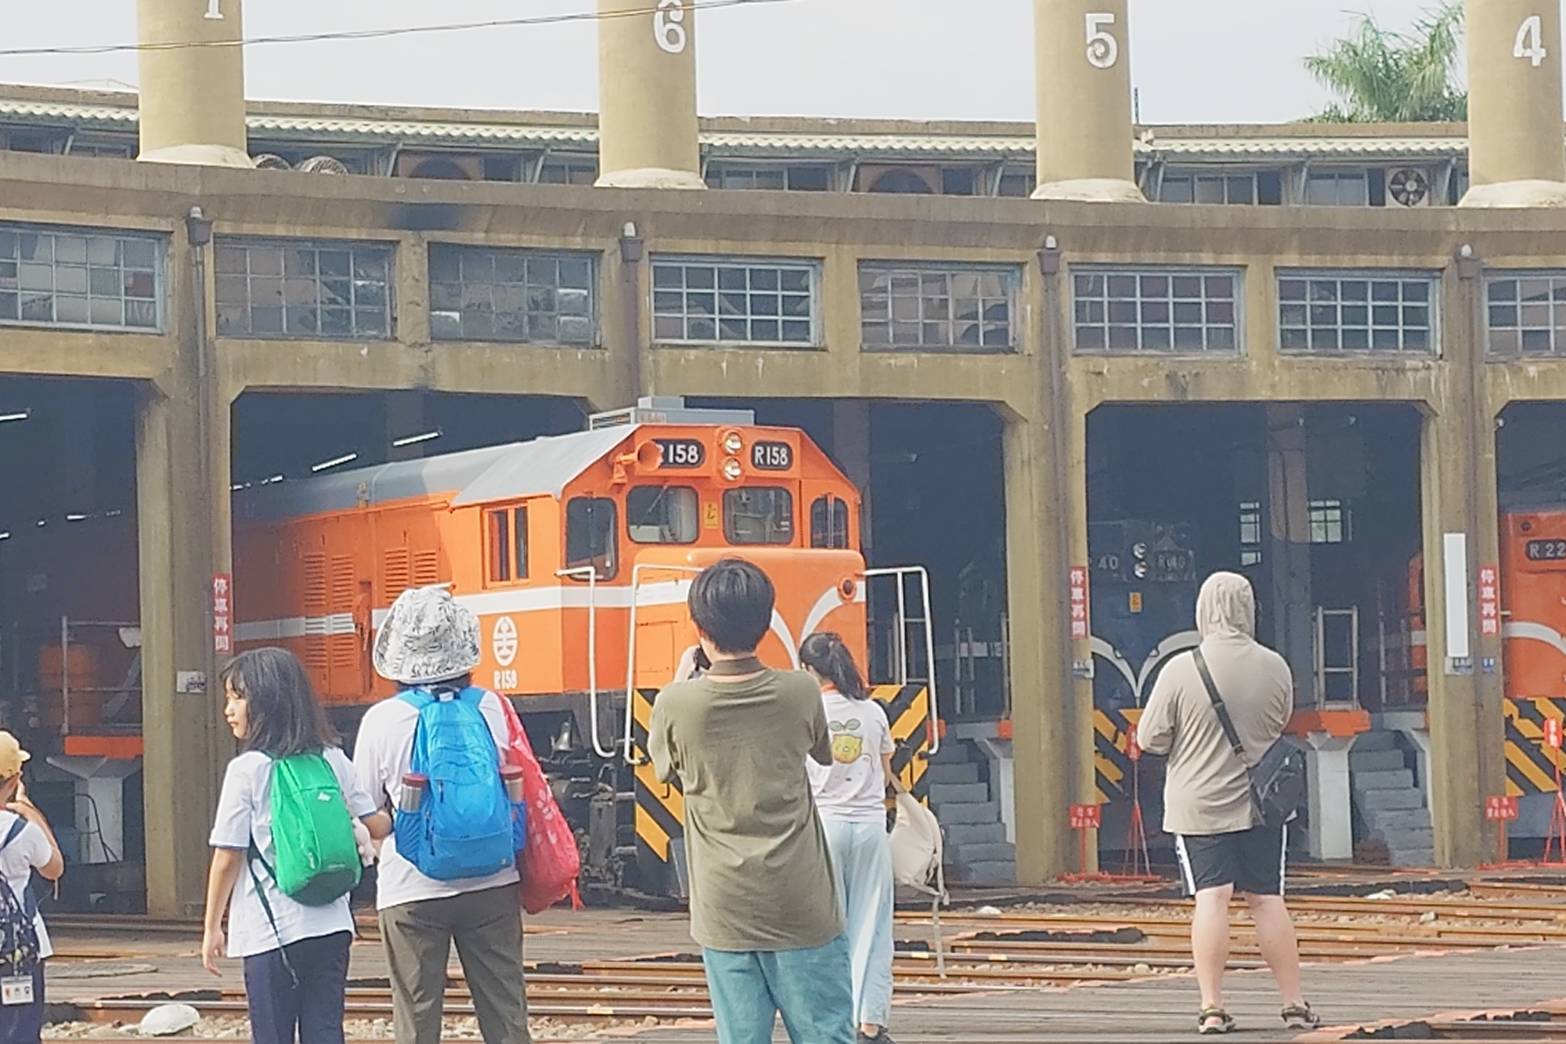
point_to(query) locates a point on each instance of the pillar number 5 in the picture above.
(1530, 41)
(669, 25)
(1103, 50)
(213, 11)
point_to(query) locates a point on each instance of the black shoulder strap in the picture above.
(1220, 709)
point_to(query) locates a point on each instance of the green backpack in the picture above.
(312, 834)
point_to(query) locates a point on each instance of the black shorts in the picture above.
(1251, 860)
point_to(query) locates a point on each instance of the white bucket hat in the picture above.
(426, 637)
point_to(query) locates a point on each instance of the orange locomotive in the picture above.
(575, 552)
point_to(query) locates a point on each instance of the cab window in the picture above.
(759, 515)
(506, 535)
(662, 515)
(590, 535)
(829, 522)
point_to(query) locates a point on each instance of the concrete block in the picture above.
(1376, 760)
(1413, 857)
(1385, 800)
(1369, 741)
(997, 873)
(1395, 820)
(1409, 840)
(999, 852)
(943, 794)
(969, 812)
(1395, 779)
(963, 835)
(954, 772)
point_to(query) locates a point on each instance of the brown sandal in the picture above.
(1225, 1022)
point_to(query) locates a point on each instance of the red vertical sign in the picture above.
(1079, 602)
(1489, 601)
(223, 613)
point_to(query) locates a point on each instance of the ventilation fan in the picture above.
(323, 165)
(1408, 187)
(269, 161)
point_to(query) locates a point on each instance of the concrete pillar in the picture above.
(192, 98)
(1287, 553)
(1044, 779)
(1330, 834)
(851, 450)
(1516, 154)
(647, 131)
(1082, 62)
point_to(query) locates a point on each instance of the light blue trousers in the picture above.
(809, 987)
(862, 861)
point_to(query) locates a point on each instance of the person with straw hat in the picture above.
(26, 844)
(430, 643)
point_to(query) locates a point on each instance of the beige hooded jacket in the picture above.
(1205, 790)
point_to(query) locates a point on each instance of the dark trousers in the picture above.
(313, 1006)
(487, 928)
(23, 1023)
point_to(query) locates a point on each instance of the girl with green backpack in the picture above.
(286, 834)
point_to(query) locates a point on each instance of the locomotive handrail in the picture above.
(591, 573)
(929, 639)
(630, 648)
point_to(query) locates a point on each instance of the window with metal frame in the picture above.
(81, 278)
(523, 296)
(1250, 533)
(734, 301)
(928, 307)
(758, 515)
(1337, 188)
(304, 288)
(1526, 313)
(568, 170)
(1358, 311)
(1156, 309)
(506, 538)
(662, 515)
(775, 178)
(829, 522)
(1330, 522)
(592, 535)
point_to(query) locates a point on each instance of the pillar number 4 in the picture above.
(1530, 41)
(213, 11)
(1103, 50)
(669, 25)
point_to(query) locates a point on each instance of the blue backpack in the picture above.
(465, 826)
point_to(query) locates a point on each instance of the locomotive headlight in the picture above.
(1140, 569)
(733, 443)
(732, 469)
(1139, 551)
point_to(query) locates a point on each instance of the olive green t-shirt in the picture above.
(759, 871)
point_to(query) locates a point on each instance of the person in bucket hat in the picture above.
(28, 845)
(430, 641)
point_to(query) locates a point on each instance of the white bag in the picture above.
(917, 858)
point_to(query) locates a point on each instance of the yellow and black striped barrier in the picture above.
(1111, 763)
(660, 806)
(1530, 763)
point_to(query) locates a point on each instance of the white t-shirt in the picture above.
(853, 787)
(245, 812)
(17, 862)
(382, 753)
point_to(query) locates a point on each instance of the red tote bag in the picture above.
(550, 863)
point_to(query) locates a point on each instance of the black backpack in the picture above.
(18, 928)
(1277, 782)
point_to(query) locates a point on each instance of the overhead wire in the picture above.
(378, 34)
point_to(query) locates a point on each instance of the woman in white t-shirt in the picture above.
(26, 844)
(851, 800)
(295, 956)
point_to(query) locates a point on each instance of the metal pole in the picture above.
(65, 675)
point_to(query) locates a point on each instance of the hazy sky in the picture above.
(1194, 61)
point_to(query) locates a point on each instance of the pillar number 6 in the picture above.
(1530, 41)
(1103, 50)
(213, 11)
(669, 27)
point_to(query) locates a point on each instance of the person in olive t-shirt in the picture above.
(763, 905)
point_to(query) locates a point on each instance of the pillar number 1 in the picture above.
(1103, 50)
(213, 11)
(1530, 41)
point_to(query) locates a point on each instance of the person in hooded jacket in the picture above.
(1207, 802)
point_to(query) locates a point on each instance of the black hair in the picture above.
(731, 604)
(285, 718)
(827, 655)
